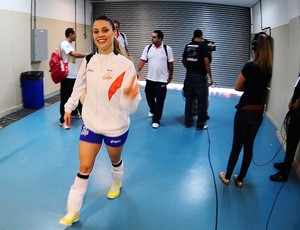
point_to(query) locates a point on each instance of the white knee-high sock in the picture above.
(117, 171)
(77, 192)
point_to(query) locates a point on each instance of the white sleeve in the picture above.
(144, 54)
(78, 89)
(66, 48)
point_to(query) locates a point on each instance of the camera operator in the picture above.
(293, 136)
(211, 47)
(195, 59)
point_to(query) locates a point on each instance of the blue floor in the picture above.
(171, 175)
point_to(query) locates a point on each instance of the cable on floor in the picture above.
(214, 178)
(273, 205)
(283, 132)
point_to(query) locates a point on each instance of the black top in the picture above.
(255, 86)
(296, 94)
(194, 53)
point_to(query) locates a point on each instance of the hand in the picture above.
(210, 82)
(67, 118)
(141, 78)
(132, 90)
(169, 80)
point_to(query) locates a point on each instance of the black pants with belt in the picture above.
(156, 94)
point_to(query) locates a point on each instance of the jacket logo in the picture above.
(107, 76)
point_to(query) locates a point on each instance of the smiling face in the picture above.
(103, 35)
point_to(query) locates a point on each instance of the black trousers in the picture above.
(196, 86)
(293, 137)
(246, 125)
(66, 89)
(156, 94)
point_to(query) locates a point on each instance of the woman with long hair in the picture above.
(107, 87)
(253, 81)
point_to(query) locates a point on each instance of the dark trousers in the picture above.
(195, 85)
(66, 88)
(156, 94)
(246, 125)
(293, 137)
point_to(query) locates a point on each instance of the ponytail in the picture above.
(118, 48)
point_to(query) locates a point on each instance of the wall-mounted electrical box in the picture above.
(39, 45)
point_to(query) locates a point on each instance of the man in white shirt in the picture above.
(121, 37)
(66, 86)
(160, 73)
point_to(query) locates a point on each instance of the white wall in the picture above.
(54, 9)
(16, 18)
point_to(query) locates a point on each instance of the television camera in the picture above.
(210, 44)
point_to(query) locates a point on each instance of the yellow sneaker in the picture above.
(114, 190)
(70, 218)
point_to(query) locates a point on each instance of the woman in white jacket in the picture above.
(107, 86)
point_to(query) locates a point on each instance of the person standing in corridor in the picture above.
(160, 73)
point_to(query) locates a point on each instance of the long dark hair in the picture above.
(262, 54)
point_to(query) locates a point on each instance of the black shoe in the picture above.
(278, 177)
(278, 165)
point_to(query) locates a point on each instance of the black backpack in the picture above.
(89, 56)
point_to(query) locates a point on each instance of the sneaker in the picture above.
(155, 125)
(222, 176)
(114, 190)
(150, 115)
(64, 126)
(70, 218)
(202, 127)
(239, 184)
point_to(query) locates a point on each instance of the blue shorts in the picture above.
(91, 137)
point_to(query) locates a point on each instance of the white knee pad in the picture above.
(77, 192)
(117, 171)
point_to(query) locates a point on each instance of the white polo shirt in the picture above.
(123, 41)
(157, 62)
(66, 48)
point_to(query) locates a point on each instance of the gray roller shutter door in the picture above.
(228, 26)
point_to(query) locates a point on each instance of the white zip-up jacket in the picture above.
(106, 108)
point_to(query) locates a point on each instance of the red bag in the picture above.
(58, 69)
